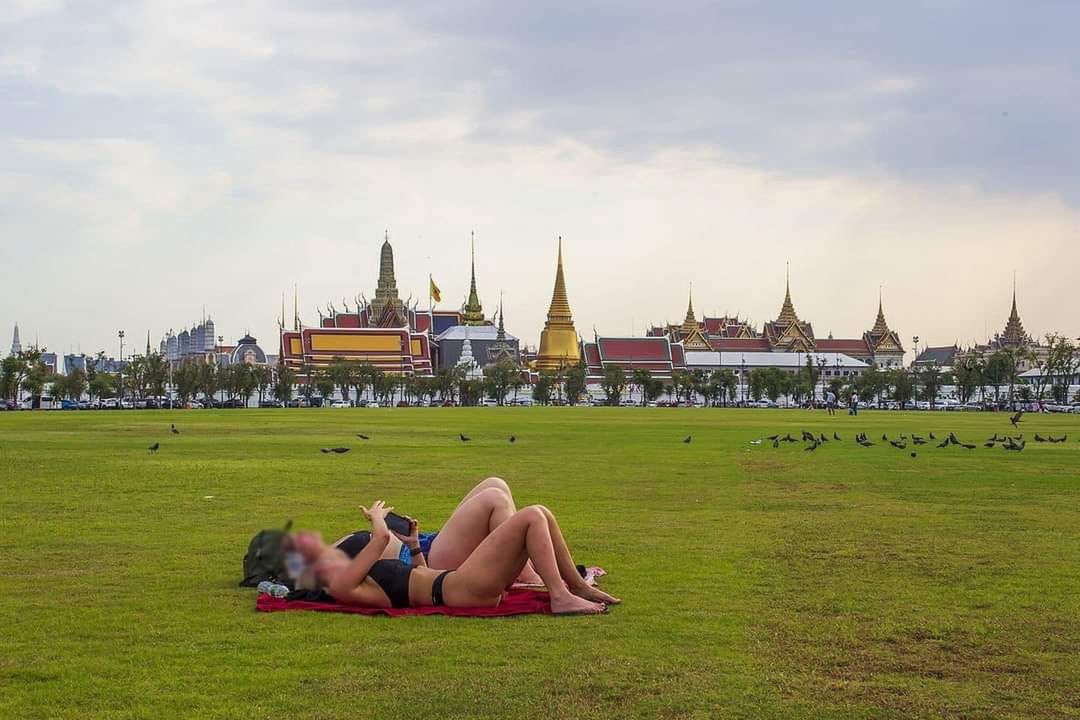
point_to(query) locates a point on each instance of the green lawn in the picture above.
(757, 583)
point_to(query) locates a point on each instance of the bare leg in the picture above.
(501, 557)
(491, 482)
(567, 566)
(486, 507)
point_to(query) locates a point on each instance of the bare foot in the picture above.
(595, 594)
(572, 605)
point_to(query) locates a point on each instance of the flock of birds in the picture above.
(1007, 442)
(340, 450)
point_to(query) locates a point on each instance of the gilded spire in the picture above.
(474, 311)
(559, 345)
(559, 312)
(787, 312)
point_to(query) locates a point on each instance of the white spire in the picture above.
(16, 346)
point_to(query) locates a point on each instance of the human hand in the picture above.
(413, 538)
(377, 515)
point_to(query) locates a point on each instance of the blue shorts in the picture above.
(425, 547)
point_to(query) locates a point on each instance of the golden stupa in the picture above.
(559, 347)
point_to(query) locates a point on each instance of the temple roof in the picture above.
(787, 310)
(473, 311)
(1014, 333)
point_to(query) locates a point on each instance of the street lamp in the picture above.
(914, 371)
(821, 373)
(742, 377)
(120, 367)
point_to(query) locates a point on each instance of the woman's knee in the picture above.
(492, 497)
(495, 483)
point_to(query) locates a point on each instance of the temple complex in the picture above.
(385, 332)
(559, 345)
(787, 333)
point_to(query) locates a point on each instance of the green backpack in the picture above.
(265, 558)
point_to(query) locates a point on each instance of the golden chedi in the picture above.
(559, 347)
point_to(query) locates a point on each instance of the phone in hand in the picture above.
(399, 524)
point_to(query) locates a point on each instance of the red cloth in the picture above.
(514, 602)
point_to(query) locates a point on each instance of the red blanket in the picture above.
(514, 602)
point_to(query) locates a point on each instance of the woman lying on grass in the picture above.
(530, 534)
(483, 509)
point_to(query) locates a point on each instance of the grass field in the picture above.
(757, 583)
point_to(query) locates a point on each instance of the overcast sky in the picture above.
(156, 157)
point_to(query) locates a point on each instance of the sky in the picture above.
(161, 157)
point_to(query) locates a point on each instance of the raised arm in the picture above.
(344, 584)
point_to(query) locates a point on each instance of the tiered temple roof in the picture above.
(386, 310)
(787, 332)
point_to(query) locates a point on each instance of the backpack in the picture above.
(265, 558)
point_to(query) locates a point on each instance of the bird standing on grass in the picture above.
(173, 429)
(513, 438)
(154, 448)
(335, 450)
(688, 439)
(464, 438)
(835, 436)
(362, 436)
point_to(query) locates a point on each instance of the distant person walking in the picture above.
(853, 407)
(830, 402)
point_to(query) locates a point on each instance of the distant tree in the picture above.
(208, 382)
(654, 388)
(284, 380)
(759, 378)
(1024, 393)
(501, 377)
(997, 370)
(930, 379)
(186, 379)
(324, 383)
(10, 372)
(264, 380)
(641, 379)
(900, 382)
(613, 383)
(574, 383)
(966, 379)
(342, 374)
(542, 388)
(249, 382)
(101, 385)
(155, 374)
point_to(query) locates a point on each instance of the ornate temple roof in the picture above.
(473, 312)
(787, 310)
(386, 309)
(1014, 334)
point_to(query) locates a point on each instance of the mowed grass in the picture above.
(757, 583)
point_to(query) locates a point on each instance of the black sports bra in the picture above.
(393, 577)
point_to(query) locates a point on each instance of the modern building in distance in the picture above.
(559, 343)
(198, 342)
